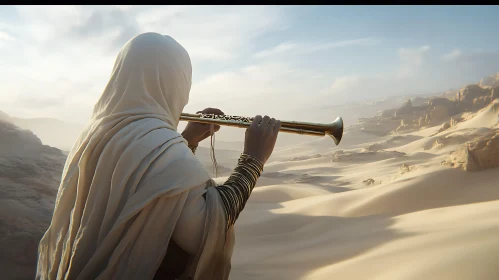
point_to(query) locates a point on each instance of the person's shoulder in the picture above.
(182, 155)
(177, 159)
(178, 151)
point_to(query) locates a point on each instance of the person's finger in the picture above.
(217, 127)
(204, 111)
(256, 121)
(211, 110)
(218, 112)
(277, 125)
(265, 121)
(272, 123)
(214, 111)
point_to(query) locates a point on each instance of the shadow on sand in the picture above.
(290, 246)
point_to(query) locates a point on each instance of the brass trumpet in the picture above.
(334, 129)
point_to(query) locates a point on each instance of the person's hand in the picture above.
(261, 137)
(196, 132)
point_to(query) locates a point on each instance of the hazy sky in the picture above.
(55, 61)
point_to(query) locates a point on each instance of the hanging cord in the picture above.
(212, 151)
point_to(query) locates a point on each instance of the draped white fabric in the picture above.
(113, 219)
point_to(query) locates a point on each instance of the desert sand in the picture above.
(412, 193)
(410, 209)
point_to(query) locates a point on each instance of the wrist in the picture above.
(253, 161)
(191, 139)
(256, 156)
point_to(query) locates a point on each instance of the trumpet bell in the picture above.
(335, 130)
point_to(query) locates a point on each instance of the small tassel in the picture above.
(212, 151)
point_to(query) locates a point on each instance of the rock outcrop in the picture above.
(29, 178)
(477, 155)
(494, 93)
(439, 110)
(473, 98)
(405, 109)
(21, 143)
(490, 81)
(442, 111)
(470, 92)
(4, 116)
(369, 181)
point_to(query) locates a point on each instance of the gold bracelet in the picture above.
(237, 189)
(259, 164)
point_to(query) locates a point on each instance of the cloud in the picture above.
(411, 60)
(344, 84)
(353, 88)
(345, 43)
(4, 36)
(466, 68)
(210, 33)
(5, 39)
(402, 81)
(78, 45)
(63, 98)
(104, 22)
(64, 55)
(304, 48)
(215, 32)
(269, 87)
(283, 47)
(417, 74)
(454, 54)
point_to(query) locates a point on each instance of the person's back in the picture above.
(134, 201)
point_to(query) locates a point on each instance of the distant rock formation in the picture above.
(477, 155)
(405, 109)
(446, 125)
(494, 93)
(30, 173)
(470, 92)
(53, 132)
(4, 116)
(473, 98)
(490, 81)
(435, 111)
(418, 101)
(21, 143)
(438, 110)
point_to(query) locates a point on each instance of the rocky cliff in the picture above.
(29, 178)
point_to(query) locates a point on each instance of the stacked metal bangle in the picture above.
(237, 189)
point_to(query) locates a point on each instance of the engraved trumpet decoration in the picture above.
(334, 129)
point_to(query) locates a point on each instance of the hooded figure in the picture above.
(129, 176)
